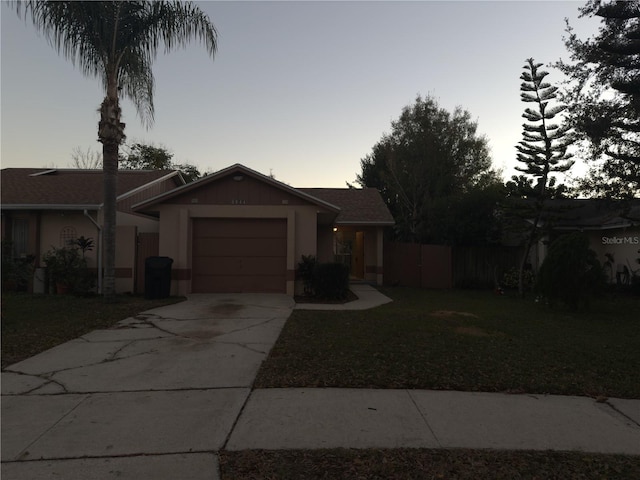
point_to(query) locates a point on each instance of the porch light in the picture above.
(335, 229)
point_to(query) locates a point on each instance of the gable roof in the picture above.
(352, 206)
(239, 170)
(357, 206)
(48, 189)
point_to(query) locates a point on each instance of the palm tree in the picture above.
(118, 41)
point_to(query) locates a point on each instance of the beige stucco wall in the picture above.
(325, 244)
(176, 234)
(126, 238)
(143, 224)
(52, 224)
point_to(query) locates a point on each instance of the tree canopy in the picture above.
(142, 156)
(432, 170)
(603, 94)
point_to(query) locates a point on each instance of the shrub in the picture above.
(66, 267)
(306, 270)
(571, 272)
(511, 279)
(16, 272)
(331, 281)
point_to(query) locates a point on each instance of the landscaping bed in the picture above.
(462, 340)
(34, 323)
(404, 464)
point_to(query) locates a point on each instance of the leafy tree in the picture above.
(542, 151)
(603, 92)
(149, 157)
(117, 42)
(427, 168)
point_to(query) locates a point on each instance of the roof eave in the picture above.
(365, 223)
(48, 206)
(148, 184)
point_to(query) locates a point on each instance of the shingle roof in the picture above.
(357, 206)
(67, 187)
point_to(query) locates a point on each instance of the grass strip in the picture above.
(424, 464)
(34, 323)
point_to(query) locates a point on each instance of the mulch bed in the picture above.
(310, 299)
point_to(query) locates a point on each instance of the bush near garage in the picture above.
(331, 281)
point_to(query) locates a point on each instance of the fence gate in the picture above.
(148, 246)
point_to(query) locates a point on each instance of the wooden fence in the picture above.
(441, 266)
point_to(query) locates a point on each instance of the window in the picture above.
(20, 237)
(67, 236)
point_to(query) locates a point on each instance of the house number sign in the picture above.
(236, 201)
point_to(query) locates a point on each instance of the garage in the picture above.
(239, 255)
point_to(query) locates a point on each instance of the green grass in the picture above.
(34, 323)
(404, 464)
(463, 340)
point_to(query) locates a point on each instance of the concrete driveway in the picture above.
(153, 397)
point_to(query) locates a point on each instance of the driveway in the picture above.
(154, 397)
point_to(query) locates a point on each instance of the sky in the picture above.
(298, 90)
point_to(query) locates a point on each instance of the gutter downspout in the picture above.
(86, 214)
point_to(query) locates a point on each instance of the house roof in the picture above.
(41, 188)
(233, 169)
(352, 206)
(593, 214)
(357, 206)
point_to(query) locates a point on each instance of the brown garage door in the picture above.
(239, 255)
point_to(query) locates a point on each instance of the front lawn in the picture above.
(416, 464)
(463, 340)
(34, 323)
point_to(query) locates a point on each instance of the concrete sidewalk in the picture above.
(364, 418)
(368, 297)
(161, 394)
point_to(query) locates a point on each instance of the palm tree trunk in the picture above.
(110, 134)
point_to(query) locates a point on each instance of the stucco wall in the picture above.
(176, 235)
(52, 224)
(144, 224)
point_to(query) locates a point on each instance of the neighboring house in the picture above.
(613, 230)
(44, 208)
(240, 231)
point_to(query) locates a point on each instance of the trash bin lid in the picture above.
(158, 262)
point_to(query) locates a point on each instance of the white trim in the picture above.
(147, 185)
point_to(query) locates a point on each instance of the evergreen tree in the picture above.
(603, 94)
(542, 151)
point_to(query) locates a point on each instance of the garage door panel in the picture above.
(224, 284)
(234, 228)
(239, 255)
(239, 266)
(252, 247)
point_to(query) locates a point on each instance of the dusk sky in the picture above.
(302, 90)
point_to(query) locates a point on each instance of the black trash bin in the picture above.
(157, 277)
